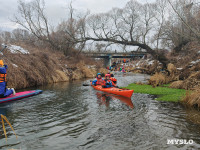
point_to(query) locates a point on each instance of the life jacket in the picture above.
(107, 83)
(114, 80)
(3, 77)
(99, 81)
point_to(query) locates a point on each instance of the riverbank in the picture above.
(183, 72)
(31, 66)
(164, 93)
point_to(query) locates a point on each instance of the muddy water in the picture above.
(72, 116)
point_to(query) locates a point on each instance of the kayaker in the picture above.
(124, 60)
(4, 92)
(109, 74)
(98, 80)
(114, 80)
(123, 69)
(107, 82)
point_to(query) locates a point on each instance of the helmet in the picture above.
(1, 62)
(98, 74)
(107, 75)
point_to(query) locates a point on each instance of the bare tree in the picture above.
(32, 17)
(5, 36)
(68, 32)
(131, 26)
(21, 35)
(183, 24)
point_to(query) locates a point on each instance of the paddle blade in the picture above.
(84, 84)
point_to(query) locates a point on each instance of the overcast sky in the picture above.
(57, 9)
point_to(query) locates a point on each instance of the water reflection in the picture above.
(104, 99)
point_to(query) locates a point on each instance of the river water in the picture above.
(75, 117)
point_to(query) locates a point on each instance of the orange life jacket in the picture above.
(3, 77)
(99, 81)
(114, 80)
(108, 81)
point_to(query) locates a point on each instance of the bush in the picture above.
(177, 85)
(158, 79)
(192, 99)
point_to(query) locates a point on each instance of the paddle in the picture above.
(3, 50)
(85, 84)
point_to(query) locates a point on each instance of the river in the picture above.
(75, 117)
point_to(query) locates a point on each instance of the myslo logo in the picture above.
(179, 141)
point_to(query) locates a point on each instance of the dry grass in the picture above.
(193, 81)
(193, 115)
(76, 75)
(139, 83)
(171, 68)
(45, 66)
(177, 85)
(33, 70)
(137, 71)
(86, 71)
(103, 70)
(192, 99)
(158, 79)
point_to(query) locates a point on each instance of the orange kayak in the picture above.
(122, 92)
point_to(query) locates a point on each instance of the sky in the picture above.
(56, 10)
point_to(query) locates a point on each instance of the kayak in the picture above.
(122, 92)
(20, 95)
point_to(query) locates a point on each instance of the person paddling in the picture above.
(4, 92)
(98, 80)
(107, 82)
(114, 80)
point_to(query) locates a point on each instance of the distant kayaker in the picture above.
(4, 92)
(98, 80)
(107, 82)
(123, 69)
(124, 61)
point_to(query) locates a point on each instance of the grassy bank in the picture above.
(164, 93)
